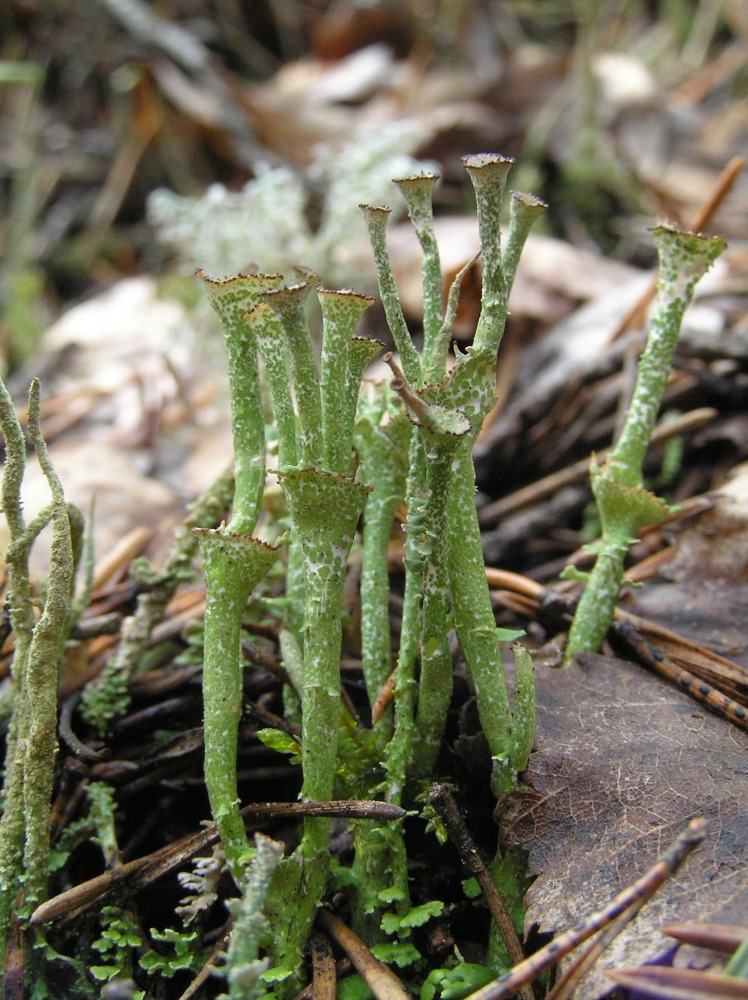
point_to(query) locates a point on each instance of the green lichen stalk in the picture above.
(375, 218)
(471, 387)
(289, 303)
(325, 508)
(22, 619)
(234, 565)
(341, 367)
(325, 505)
(420, 450)
(45, 654)
(384, 451)
(684, 259)
(524, 210)
(243, 967)
(488, 173)
(418, 194)
(232, 299)
(442, 430)
(32, 740)
(623, 504)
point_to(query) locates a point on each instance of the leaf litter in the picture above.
(621, 763)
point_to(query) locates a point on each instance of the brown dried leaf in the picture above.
(715, 545)
(622, 762)
(703, 591)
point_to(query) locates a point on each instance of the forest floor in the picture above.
(617, 121)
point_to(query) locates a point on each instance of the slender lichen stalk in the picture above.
(244, 967)
(32, 741)
(232, 299)
(438, 459)
(234, 565)
(289, 304)
(234, 561)
(471, 387)
(383, 451)
(325, 505)
(325, 508)
(45, 653)
(418, 194)
(22, 619)
(623, 504)
(375, 218)
(441, 431)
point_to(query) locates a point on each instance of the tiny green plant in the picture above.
(116, 945)
(624, 505)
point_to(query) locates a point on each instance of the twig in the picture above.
(446, 808)
(142, 871)
(567, 984)
(323, 968)
(380, 979)
(207, 971)
(707, 695)
(643, 889)
(679, 984)
(726, 938)
(68, 737)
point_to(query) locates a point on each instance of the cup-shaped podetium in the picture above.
(341, 311)
(234, 565)
(325, 508)
(232, 298)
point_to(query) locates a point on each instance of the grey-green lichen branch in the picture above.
(32, 742)
(624, 505)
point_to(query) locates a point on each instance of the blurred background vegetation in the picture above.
(618, 111)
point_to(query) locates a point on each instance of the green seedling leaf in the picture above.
(400, 953)
(393, 923)
(276, 739)
(509, 634)
(278, 974)
(454, 984)
(393, 894)
(103, 972)
(187, 954)
(471, 888)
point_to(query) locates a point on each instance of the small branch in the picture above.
(446, 808)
